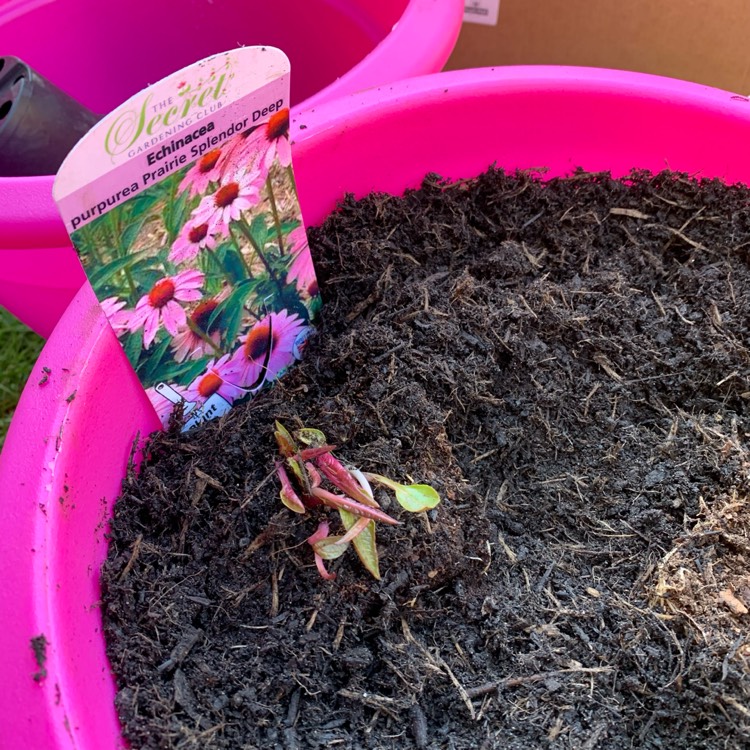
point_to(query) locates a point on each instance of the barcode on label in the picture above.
(482, 11)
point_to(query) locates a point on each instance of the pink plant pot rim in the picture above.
(65, 457)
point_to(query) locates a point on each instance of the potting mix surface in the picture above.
(567, 363)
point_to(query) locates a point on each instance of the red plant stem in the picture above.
(307, 453)
(336, 473)
(357, 528)
(346, 503)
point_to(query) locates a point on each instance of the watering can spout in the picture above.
(39, 123)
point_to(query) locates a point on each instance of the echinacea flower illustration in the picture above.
(191, 241)
(162, 405)
(206, 170)
(118, 318)
(267, 348)
(189, 343)
(235, 195)
(220, 377)
(258, 148)
(239, 153)
(161, 305)
(301, 269)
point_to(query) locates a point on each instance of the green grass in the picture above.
(19, 348)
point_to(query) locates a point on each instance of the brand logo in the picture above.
(153, 115)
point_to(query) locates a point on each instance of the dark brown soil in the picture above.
(567, 363)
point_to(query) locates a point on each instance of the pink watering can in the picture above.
(70, 440)
(102, 53)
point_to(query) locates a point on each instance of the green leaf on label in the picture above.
(233, 265)
(364, 544)
(231, 311)
(104, 273)
(152, 361)
(259, 230)
(133, 345)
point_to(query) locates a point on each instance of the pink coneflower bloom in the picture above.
(239, 152)
(192, 239)
(259, 147)
(276, 137)
(277, 331)
(220, 377)
(301, 269)
(162, 405)
(118, 318)
(161, 305)
(206, 170)
(187, 344)
(235, 195)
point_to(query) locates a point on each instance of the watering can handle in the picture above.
(39, 123)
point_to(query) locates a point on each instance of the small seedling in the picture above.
(310, 461)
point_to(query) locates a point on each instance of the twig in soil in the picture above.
(382, 703)
(736, 704)
(630, 212)
(215, 483)
(490, 687)
(182, 649)
(437, 661)
(133, 557)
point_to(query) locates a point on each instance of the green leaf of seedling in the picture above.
(364, 544)
(312, 437)
(328, 548)
(287, 446)
(412, 497)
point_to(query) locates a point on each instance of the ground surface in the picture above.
(19, 348)
(568, 365)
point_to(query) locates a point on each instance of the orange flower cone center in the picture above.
(208, 161)
(256, 344)
(209, 384)
(161, 293)
(278, 125)
(196, 234)
(202, 314)
(226, 195)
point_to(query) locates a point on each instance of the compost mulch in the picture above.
(567, 363)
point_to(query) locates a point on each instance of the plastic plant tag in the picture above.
(182, 206)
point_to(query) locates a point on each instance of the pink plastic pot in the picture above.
(69, 442)
(101, 53)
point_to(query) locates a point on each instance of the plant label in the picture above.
(183, 208)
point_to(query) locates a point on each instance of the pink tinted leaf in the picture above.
(288, 496)
(336, 473)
